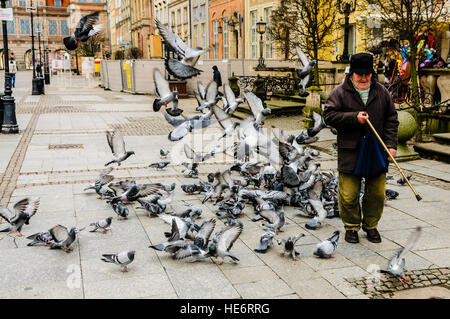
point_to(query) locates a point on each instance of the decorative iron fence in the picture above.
(272, 84)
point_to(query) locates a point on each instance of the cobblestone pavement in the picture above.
(61, 148)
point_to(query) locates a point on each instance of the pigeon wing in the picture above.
(59, 233)
(201, 90)
(228, 237)
(223, 118)
(173, 121)
(270, 215)
(412, 241)
(172, 39)
(202, 237)
(302, 56)
(211, 91)
(118, 144)
(229, 94)
(255, 103)
(162, 86)
(86, 23)
(7, 214)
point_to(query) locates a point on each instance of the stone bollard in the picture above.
(406, 129)
(233, 83)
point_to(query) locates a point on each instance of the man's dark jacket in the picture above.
(217, 77)
(340, 111)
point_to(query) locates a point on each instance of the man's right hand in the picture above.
(362, 117)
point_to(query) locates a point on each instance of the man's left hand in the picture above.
(393, 152)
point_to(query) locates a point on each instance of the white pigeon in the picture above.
(257, 108)
(117, 145)
(231, 101)
(163, 91)
(183, 127)
(305, 72)
(225, 121)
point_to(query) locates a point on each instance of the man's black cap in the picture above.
(361, 63)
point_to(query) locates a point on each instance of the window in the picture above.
(254, 37)
(203, 32)
(52, 27)
(178, 16)
(9, 27)
(185, 15)
(64, 27)
(268, 44)
(225, 38)
(351, 40)
(22, 3)
(215, 40)
(25, 26)
(58, 3)
(196, 43)
(202, 11)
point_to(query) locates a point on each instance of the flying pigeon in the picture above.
(265, 241)
(308, 136)
(223, 241)
(184, 126)
(225, 121)
(304, 73)
(102, 179)
(257, 108)
(135, 191)
(122, 259)
(117, 145)
(22, 211)
(165, 95)
(102, 225)
(84, 29)
(62, 238)
(211, 97)
(185, 68)
(326, 248)
(397, 263)
(159, 165)
(231, 101)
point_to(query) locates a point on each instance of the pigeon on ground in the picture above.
(20, 215)
(117, 145)
(185, 68)
(397, 263)
(183, 225)
(84, 29)
(257, 108)
(165, 95)
(391, 194)
(231, 101)
(327, 248)
(102, 179)
(402, 181)
(233, 222)
(62, 238)
(122, 259)
(102, 225)
(185, 126)
(289, 246)
(276, 220)
(163, 153)
(317, 205)
(121, 211)
(192, 188)
(304, 73)
(159, 165)
(135, 191)
(41, 238)
(265, 241)
(223, 241)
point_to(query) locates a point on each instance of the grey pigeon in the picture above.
(135, 191)
(163, 153)
(276, 221)
(192, 251)
(397, 263)
(102, 225)
(234, 222)
(159, 165)
(308, 136)
(231, 101)
(304, 73)
(223, 241)
(202, 237)
(84, 29)
(20, 215)
(62, 238)
(402, 180)
(265, 241)
(121, 210)
(185, 126)
(185, 68)
(289, 246)
(225, 121)
(41, 238)
(391, 194)
(257, 108)
(117, 145)
(326, 248)
(211, 97)
(102, 179)
(122, 259)
(164, 94)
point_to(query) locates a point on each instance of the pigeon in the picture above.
(257, 108)
(183, 225)
(316, 203)
(231, 101)
(163, 153)
(134, 191)
(326, 248)
(159, 165)
(122, 259)
(234, 222)
(184, 126)
(402, 181)
(101, 224)
(397, 263)
(223, 241)
(190, 211)
(20, 215)
(184, 69)
(391, 194)
(102, 179)
(289, 246)
(85, 29)
(304, 73)
(225, 121)
(117, 145)
(308, 136)
(276, 220)
(164, 94)
(41, 238)
(265, 241)
(62, 238)
(211, 98)
(121, 211)
(192, 188)
(201, 240)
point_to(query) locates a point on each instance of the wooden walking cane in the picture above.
(393, 159)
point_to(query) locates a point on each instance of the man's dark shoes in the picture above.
(351, 236)
(373, 235)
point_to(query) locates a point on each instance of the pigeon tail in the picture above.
(156, 105)
(159, 247)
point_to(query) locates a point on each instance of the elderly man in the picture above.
(349, 105)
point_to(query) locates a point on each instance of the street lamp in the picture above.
(261, 29)
(46, 72)
(37, 83)
(9, 106)
(346, 8)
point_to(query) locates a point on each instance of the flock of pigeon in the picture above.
(269, 173)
